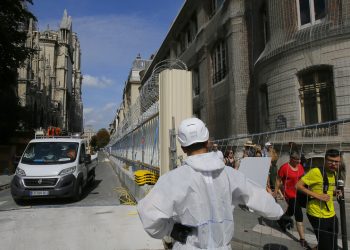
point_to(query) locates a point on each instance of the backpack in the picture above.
(303, 198)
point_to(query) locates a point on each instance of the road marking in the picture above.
(2, 202)
(310, 238)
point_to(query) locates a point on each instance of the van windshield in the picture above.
(48, 153)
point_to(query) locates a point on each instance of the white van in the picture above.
(53, 167)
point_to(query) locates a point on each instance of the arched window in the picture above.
(317, 95)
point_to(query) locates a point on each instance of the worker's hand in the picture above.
(180, 232)
(323, 197)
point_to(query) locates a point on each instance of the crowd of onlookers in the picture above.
(290, 182)
(232, 158)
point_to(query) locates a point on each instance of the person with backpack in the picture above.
(321, 182)
(194, 203)
(288, 175)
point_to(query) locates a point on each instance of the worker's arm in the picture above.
(155, 211)
(255, 197)
(301, 186)
(156, 223)
(277, 186)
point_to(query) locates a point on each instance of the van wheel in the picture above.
(18, 201)
(78, 191)
(92, 177)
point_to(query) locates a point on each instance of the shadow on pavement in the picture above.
(273, 224)
(60, 201)
(274, 246)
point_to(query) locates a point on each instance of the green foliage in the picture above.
(14, 19)
(93, 142)
(102, 137)
(13, 22)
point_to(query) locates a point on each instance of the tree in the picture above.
(93, 142)
(102, 137)
(14, 18)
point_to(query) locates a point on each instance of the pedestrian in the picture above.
(258, 152)
(194, 203)
(218, 152)
(249, 149)
(229, 158)
(288, 175)
(267, 149)
(320, 208)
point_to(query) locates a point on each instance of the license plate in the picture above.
(39, 193)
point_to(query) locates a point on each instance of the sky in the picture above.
(111, 34)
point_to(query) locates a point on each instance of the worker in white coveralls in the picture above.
(194, 203)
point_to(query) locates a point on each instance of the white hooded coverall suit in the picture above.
(202, 194)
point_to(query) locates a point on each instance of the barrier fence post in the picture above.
(341, 201)
(172, 148)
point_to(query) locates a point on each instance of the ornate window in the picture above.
(219, 61)
(310, 12)
(317, 95)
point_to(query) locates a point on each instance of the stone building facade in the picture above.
(50, 81)
(211, 38)
(302, 69)
(250, 61)
(131, 95)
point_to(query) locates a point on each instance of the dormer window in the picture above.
(310, 12)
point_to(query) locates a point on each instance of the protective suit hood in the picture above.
(212, 162)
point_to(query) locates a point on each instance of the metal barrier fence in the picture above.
(146, 105)
(310, 143)
(136, 140)
(139, 148)
(309, 140)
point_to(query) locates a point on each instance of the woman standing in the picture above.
(288, 175)
(229, 158)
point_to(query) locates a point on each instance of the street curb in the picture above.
(5, 181)
(127, 179)
(5, 186)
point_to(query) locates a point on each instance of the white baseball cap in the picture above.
(191, 131)
(267, 144)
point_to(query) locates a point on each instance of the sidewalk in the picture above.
(85, 228)
(5, 181)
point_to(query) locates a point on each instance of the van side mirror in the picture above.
(87, 159)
